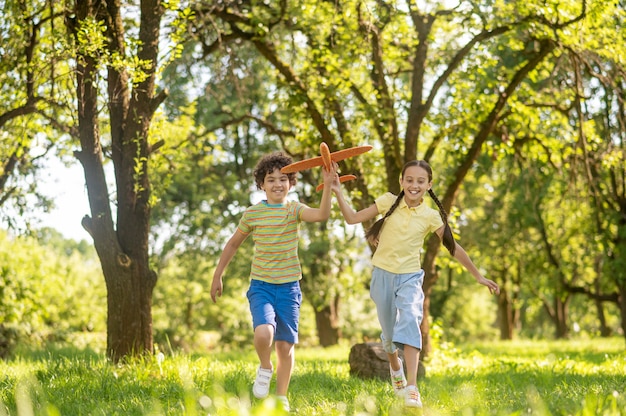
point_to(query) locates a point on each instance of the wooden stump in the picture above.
(369, 360)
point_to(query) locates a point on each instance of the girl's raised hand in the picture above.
(491, 285)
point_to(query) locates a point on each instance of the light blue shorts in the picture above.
(277, 305)
(399, 300)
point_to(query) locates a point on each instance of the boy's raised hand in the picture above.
(332, 177)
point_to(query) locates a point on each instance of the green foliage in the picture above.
(49, 287)
(32, 100)
(184, 311)
(468, 313)
(308, 71)
(542, 378)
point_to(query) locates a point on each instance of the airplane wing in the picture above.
(342, 179)
(303, 165)
(346, 153)
(319, 161)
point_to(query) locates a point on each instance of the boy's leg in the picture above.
(260, 296)
(287, 319)
(263, 338)
(285, 358)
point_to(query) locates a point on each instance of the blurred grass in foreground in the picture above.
(501, 378)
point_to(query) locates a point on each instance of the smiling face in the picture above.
(416, 182)
(276, 186)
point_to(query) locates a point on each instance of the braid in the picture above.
(448, 238)
(374, 231)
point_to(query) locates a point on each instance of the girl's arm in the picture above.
(227, 255)
(351, 216)
(323, 212)
(464, 259)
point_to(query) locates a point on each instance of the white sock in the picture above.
(397, 372)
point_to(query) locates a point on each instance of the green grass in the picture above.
(517, 378)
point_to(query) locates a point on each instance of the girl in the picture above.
(397, 276)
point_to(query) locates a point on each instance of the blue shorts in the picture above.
(277, 305)
(399, 300)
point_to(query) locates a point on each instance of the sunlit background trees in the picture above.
(167, 106)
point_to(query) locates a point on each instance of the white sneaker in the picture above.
(412, 398)
(261, 387)
(284, 401)
(398, 381)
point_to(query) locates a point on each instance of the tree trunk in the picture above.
(605, 330)
(622, 309)
(128, 278)
(327, 319)
(123, 252)
(129, 301)
(430, 278)
(560, 317)
(486, 128)
(618, 265)
(505, 315)
(369, 360)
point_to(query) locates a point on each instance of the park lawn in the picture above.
(581, 377)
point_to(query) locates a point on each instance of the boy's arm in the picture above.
(323, 212)
(227, 255)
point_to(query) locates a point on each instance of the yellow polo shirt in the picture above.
(402, 236)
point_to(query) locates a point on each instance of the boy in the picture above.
(274, 294)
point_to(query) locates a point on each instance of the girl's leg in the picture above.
(409, 300)
(285, 353)
(263, 338)
(411, 358)
(382, 293)
(398, 379)
(394, 362)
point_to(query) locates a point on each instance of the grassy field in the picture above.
(539, 378)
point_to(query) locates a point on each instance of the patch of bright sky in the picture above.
(66, 186)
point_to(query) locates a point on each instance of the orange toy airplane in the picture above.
(326, 160)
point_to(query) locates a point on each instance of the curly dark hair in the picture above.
(269, 163)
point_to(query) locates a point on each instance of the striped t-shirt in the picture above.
(274, 229)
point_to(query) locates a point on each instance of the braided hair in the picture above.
(448, 238)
